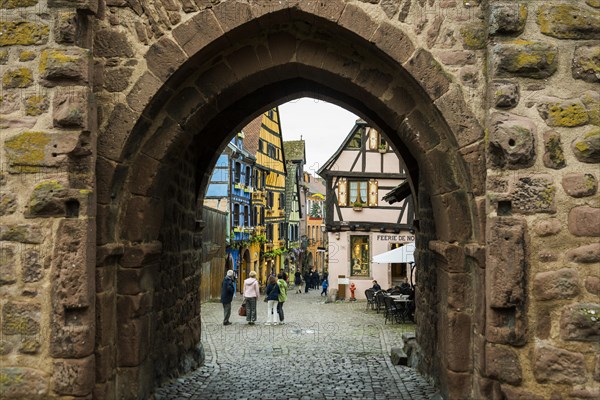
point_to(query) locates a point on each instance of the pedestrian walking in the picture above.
(283, 287)
(325, 285)
(227, 291)
(272, 292)
(298, 281)
(251, 295)
(306, 281)
(315, 279)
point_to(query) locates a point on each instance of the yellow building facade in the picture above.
(268, 200)
(271, 157)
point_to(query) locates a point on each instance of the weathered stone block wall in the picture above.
(542, 238)
(426, 290)
(528, 71)
(176, 323)
(47, 201)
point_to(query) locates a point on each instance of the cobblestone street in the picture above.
(324, 351)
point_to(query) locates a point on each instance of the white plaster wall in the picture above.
(339, 260)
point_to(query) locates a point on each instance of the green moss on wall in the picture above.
(570, 115)
(36, 105)
(569, 21)
(22, 33)
(27, 149)
(26, 55)
(474, 36)
(17, 78)
(587, 148)
(17, 3)
(555, 152)
(54, 57)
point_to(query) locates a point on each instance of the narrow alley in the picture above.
(323, 351)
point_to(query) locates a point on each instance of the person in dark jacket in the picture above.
(315, 279)
(306, 281)
(272, 292)
(227, 291)
(298, 281)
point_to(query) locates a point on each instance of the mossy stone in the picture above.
(534, 194)
(587, 148)
(17, 3)
(27, 150)
(507, 18)
(30, 345)
(17, 78)
(71, 64)
(554, 156)
(23, 33)
(20, 319)
(54, 57)
(566, 113)
(474, 36)
(20, 383)
(569, 21)
(47, 200)
(591, 101)
(36, 105)
(27, 55)
(8, 203)
(586, 63)
(3, 56)
(524, 58)
(7, 266)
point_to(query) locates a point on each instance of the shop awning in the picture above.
(403, 254)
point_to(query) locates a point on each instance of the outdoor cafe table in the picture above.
(403, 303)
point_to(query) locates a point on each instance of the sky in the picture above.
(322, 125)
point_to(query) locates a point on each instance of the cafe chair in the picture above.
(370, 295)
(379, 300)
(392, 312)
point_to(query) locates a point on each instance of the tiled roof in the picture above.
(252, 134)
(294, 150)
(316, 186)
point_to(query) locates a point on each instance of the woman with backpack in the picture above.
(272, 292)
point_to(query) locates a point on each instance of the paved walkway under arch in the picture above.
(324, 351)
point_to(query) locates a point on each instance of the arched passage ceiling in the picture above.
(202, 90)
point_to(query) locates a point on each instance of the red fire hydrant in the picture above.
(352, 289)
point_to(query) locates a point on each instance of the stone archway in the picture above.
(159, 148)
(98, 107)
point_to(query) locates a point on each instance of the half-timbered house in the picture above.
(264, 140)
(359, 223)
(295, 156)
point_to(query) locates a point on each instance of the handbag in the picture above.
(242, 310)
